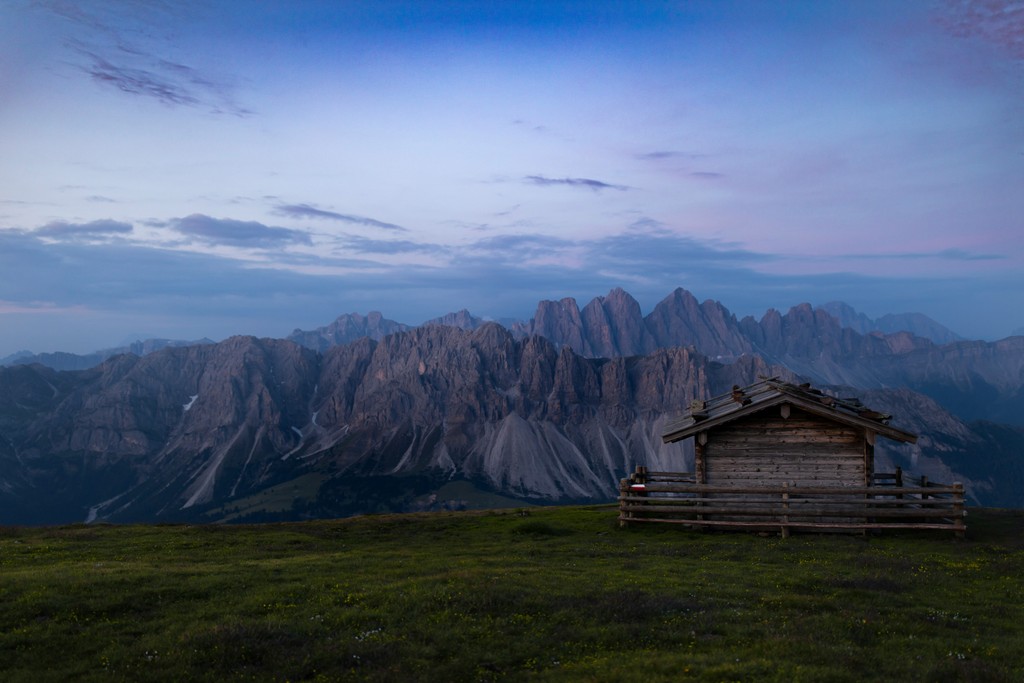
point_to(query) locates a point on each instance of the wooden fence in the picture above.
(890, 503)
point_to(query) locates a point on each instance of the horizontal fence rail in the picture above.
(676, 498)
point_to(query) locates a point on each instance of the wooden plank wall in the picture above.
(767, 449)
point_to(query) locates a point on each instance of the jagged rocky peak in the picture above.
(345, 329)
(680, 320)
(133, 405)
(462, 319)
(904, 342)
(614, 326)
(807, 333)
(803, 324)
(560, 322)
(606, 327)
(849, 317)
(917, 324)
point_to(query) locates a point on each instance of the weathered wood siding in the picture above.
(767, 449)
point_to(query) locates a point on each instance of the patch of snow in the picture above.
(407, 456)
(315, 413)
(94, 511)
(191, 400)
(322, 444)
(255, 442)
(297, 448)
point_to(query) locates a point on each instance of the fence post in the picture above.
(624, 514)
(959, 527)
(640, 476)
(899, 481)
(924, 485)
(785, 509)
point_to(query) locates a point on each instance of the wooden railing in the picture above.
(676, 498)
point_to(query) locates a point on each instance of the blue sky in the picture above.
(197, 169)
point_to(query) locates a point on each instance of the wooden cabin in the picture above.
(773, 433)
(781, 455)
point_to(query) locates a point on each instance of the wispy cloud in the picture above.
(237, 233)
(661, 155)
(650, 250)
(93, 229)
(138, 81)
(530, 126)
(952, 254)
(588, 183)
(308, 211)
(999, 22)
(364, 245)
(502, 275)
(646, 224)
(117, 46)
(961, 255)
(168, 82)
(520, 246)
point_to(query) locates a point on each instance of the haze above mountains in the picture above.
(368, 414)
(349, 327)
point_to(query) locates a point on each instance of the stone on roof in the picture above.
(772, 391)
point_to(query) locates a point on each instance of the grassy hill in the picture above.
(557, 594)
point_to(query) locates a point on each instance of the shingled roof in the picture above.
(772, 391)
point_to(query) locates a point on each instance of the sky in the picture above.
(202, 169)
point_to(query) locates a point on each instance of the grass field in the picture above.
(552, 594)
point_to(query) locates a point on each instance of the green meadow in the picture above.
(545, 594)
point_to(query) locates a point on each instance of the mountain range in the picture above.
(61, 360)
(366, 414)
(917, 324)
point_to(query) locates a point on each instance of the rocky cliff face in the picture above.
(169, 435)
(520, 415)
(174, 429)
(975, 380)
